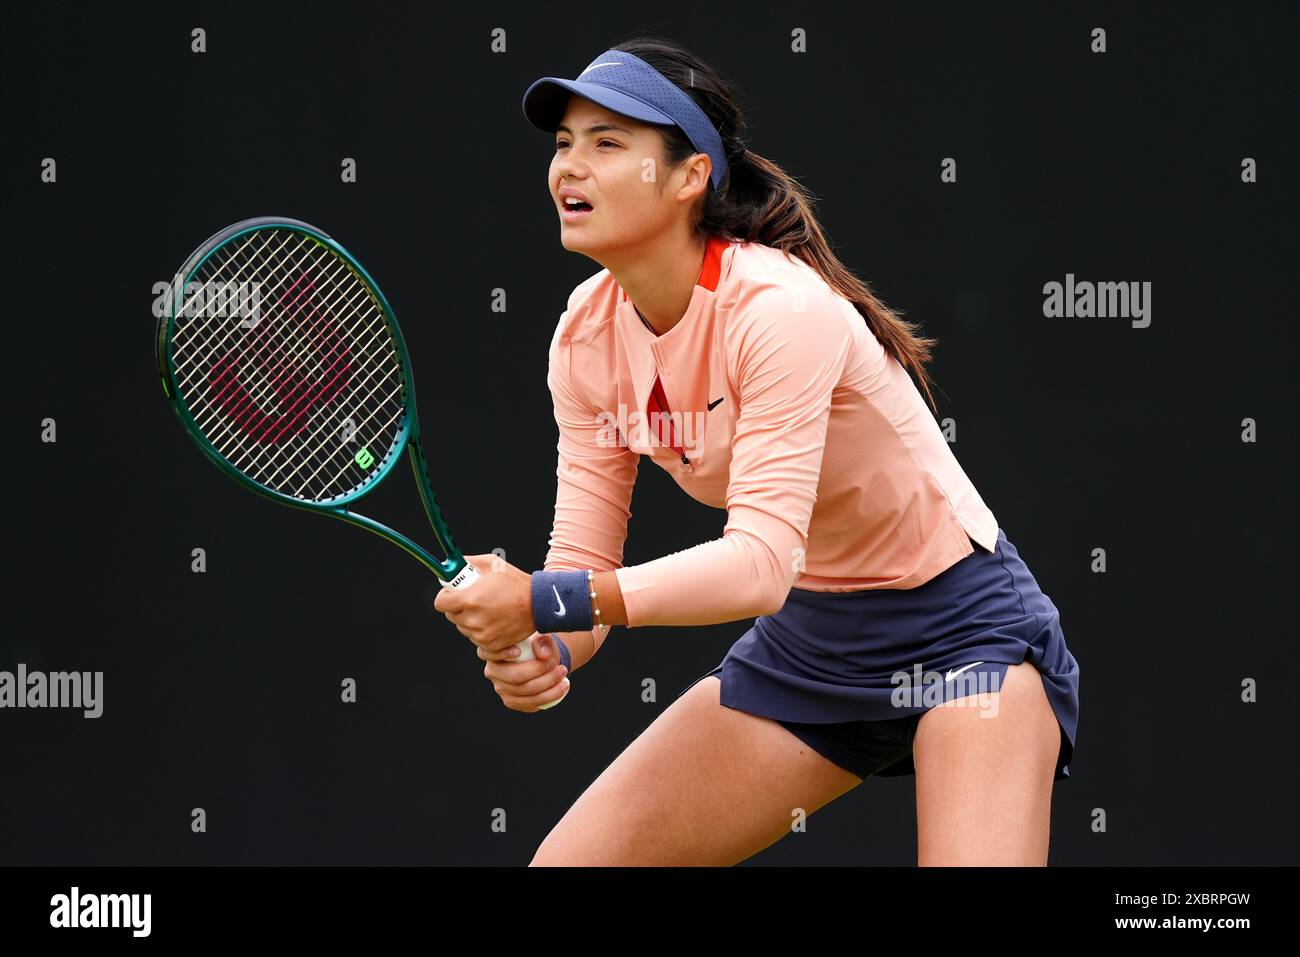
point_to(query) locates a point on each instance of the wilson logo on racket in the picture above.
(289, 406)
(298, 359)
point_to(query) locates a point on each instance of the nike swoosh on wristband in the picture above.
(559, 611)
(954, 674)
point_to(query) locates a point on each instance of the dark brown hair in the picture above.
(760, 202)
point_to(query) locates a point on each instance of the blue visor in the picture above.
(628, 85)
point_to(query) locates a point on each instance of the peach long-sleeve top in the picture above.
(790, 415)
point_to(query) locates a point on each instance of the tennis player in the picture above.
(896, 628)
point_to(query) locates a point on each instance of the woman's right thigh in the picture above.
(703, 785)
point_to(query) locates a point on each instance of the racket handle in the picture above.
(468, 576)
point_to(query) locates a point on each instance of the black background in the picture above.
(221, 690)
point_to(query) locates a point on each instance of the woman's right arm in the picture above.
(595, 474)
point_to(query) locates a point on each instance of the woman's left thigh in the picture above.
(984, 771)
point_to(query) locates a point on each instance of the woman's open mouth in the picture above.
(572, 212)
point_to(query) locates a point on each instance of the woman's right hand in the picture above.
(527, 685)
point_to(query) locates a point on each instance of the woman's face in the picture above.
(615, 163)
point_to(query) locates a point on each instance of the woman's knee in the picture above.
(703, 784)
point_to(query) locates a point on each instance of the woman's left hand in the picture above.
(496, 611)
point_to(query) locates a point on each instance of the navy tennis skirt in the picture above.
(852, 673)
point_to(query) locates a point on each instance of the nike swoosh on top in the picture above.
(715, 402)
(559, 611)
(954, 674)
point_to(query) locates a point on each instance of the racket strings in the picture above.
(291, 396)
(292, 400)
(227, 273)
(285, 375)
(258, 394)
(296, 401)
(264, 332)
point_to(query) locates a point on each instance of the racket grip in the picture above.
(468, 576)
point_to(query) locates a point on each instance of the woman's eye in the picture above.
(563, 143)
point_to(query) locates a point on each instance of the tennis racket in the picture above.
(284, 363)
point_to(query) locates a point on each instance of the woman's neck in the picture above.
(661, 283)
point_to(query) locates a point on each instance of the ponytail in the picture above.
(759, 202)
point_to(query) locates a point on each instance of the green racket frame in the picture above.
(454, 571)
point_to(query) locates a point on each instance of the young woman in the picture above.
(724, 340)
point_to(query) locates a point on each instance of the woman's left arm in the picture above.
(787, 354)
(609, 598)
